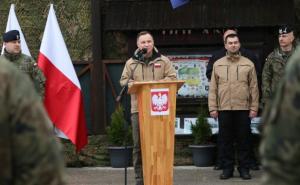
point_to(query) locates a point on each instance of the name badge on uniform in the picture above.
(157, 65)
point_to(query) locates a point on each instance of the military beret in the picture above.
(285, 29)
(11, 36)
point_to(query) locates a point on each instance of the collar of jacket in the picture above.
(11, 57)
(233, 57)
(285, 54)
(155, 55)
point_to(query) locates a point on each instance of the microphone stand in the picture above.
(118, 99)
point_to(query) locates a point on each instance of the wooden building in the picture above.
(195, 28)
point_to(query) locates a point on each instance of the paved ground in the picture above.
(183, 175)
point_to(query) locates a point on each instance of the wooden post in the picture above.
(98, 110)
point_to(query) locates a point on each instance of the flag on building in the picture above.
(177, 3)
(13, 24)
(63, 96)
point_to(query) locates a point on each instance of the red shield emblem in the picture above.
(160, 101)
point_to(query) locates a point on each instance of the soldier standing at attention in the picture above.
(276, 61)
(12, 53)
(280, 147)
(30, 153)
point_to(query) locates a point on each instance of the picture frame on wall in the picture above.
(192, 69)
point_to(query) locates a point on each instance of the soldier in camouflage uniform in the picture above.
(280, 147)
(29, 152)
(12, 53)
(276, 61)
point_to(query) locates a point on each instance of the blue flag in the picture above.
(177, 3)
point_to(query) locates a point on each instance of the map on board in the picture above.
(192, 69)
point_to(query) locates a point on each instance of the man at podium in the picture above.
(146, 64)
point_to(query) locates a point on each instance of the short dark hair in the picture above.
(143, 33)
(229, 28)
(231, 36)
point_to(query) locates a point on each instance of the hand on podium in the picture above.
(130, 83)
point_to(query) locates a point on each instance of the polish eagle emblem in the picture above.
(160, 102)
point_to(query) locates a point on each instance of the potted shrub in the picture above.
(203, 149)
(120, 139)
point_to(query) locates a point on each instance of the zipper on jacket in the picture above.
(143, 71)
(153, 71)
(237, 73)
(227, 72)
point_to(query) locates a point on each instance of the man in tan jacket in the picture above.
(147, 64)
(233, 99)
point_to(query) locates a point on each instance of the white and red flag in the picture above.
(13, 24)
(63, 97)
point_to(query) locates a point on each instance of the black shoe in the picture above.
(244, 174)
(226, 174)
(218, 167)
(254, 167)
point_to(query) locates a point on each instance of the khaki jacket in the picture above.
(158, 68)
(233, 85)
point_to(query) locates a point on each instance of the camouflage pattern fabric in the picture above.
(272, 72)
(28, 65)
(280, 147)
(30, 154)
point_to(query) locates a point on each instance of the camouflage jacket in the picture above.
(280, 148)
(28, 65)
(273, 71)
(30, 153)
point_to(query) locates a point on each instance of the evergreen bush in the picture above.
(118, 132)
(201, 131)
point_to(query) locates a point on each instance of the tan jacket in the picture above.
(158, 68)
(233, 85)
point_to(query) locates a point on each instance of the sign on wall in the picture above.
(192, 69)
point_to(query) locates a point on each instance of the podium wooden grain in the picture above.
(156, 132)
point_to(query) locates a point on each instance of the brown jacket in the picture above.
(233, 85)
(158, 68)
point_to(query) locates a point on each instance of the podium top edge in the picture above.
(135, 85)
(159, 82)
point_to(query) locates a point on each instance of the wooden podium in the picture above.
(157, 110)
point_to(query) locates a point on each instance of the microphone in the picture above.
(143, 51)
(140, 54)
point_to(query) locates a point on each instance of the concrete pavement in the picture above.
(183, 175)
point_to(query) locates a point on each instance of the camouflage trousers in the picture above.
(136, 156)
